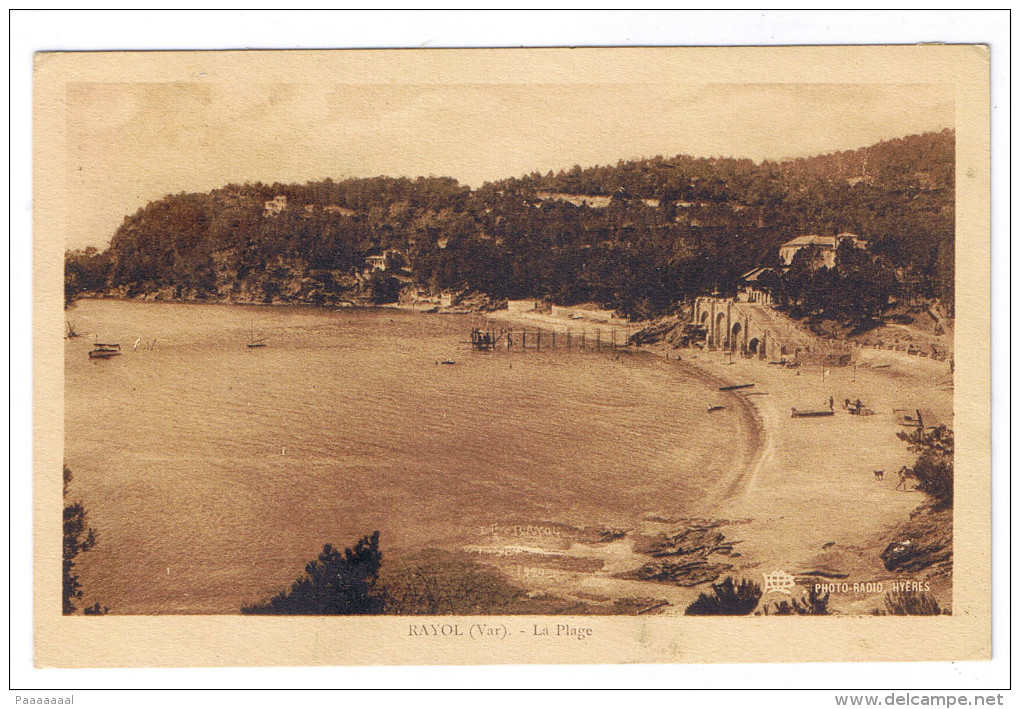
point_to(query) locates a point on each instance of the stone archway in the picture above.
(706, 326)
(752, 345)
(719, 331)
(734, 338)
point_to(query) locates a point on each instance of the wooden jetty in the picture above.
(483, 339)
(524, 338)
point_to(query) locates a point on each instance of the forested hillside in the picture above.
(653, 232)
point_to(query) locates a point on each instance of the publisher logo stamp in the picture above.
(779, 582)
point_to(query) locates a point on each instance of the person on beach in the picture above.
(830, 404)
(904, 473)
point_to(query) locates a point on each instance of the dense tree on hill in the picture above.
(715, 218)
(855, 291)
(384, 288)
(85, 271)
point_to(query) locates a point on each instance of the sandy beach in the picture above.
(807, 501)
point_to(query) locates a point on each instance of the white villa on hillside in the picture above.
(378, 262)
(825, 245)
(274, 206)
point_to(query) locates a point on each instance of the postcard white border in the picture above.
(73, 31)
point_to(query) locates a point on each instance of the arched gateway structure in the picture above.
(749, 325)
(731, 326)
(755, 329)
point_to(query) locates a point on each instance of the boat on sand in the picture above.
(734, 387)
(254, 341)
(801, 413)
(104, 350)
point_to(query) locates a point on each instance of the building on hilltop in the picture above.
(274, 206)
(378, 262)
(756, 284)
(388, 260)
(825, 246)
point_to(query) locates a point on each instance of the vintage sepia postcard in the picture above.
(512, 356)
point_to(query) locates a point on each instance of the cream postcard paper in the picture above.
(504, 356)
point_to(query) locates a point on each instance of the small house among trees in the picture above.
(275, 206)
(376, 263)
(824, 246)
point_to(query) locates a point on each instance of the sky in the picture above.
(130, 143)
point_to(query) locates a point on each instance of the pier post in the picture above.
(568, 339)
(538, 340)
(554, 339)
(524, 339)
(598, 339)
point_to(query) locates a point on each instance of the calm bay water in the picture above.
(213, 472)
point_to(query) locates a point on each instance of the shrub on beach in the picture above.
(815, 603)
(910, 603)
(436, 582)
(933, 469)
(333, 584)
(727, 598)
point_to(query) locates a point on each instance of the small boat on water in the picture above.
(447, 361)
(715, 408)
(104, 350)
(810, 414)
(733, 387)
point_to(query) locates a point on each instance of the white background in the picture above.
(61, 30)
